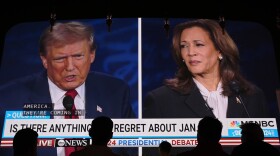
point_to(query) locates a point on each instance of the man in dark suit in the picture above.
(67, 51)
(25, 142)
(252, 142)
(208, 136)
(100, 133)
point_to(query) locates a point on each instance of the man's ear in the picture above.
(44, 61)
(92, 56)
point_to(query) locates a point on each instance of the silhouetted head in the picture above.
(209, 130)
(25, 142)
(101, 130)
(164, 148)
(251, 132)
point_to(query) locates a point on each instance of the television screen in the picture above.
(139, 52)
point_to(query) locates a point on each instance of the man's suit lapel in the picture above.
(40, 89)
(92, 96)
(197, 104)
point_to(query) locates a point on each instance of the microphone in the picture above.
(234, 85)
(68, 102)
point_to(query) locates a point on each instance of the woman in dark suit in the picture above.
(208, 81)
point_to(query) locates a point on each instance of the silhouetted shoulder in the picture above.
(258, 148)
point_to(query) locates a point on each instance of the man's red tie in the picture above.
(72, 93)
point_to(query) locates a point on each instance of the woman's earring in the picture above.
(220, 57)
(183, 60)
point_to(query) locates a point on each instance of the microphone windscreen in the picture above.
(68, 102)
(235, 87)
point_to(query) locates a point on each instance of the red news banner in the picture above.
(128, 132)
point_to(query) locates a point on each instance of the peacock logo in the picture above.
(235, 124)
